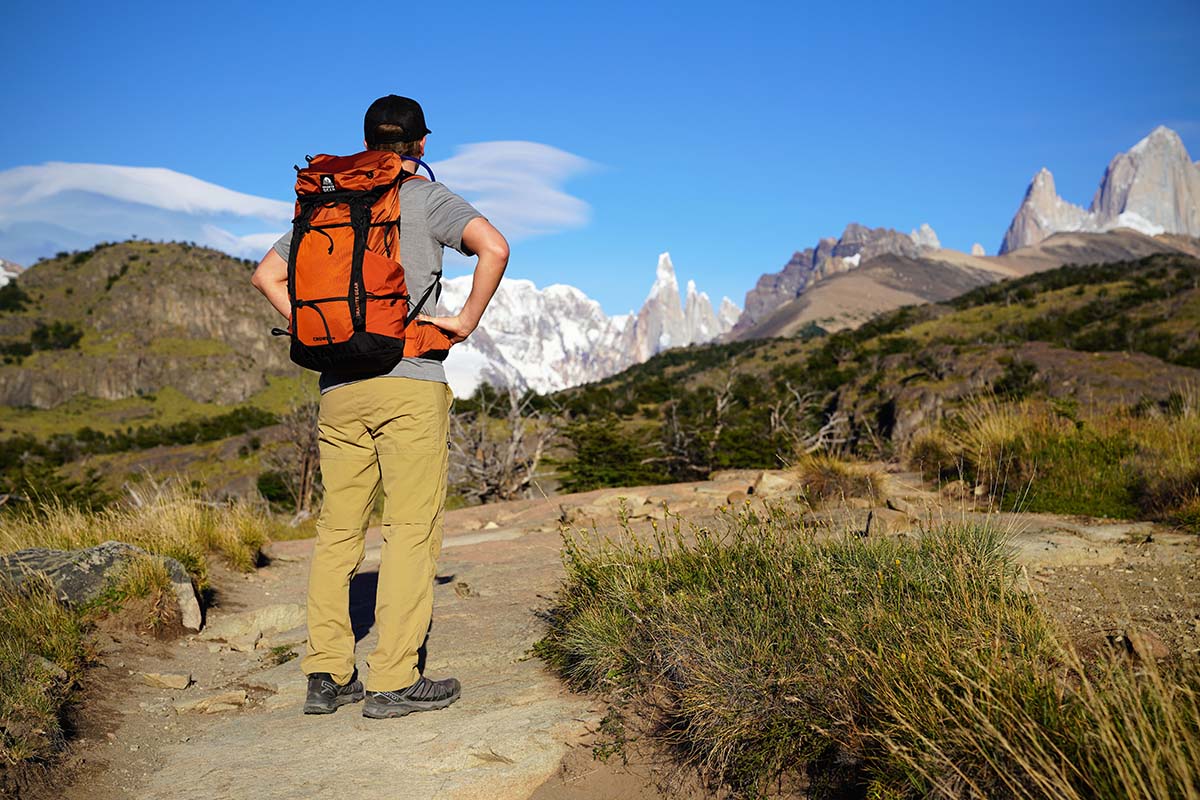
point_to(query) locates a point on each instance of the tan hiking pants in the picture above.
(392, 433)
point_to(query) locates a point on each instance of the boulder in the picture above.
(81, 576)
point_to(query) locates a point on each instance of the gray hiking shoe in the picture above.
(324, 696)
(424, 695)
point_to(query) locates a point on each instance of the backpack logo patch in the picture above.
(327, 184)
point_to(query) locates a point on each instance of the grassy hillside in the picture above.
(1095, 338)
(138, 356)
(123, 321)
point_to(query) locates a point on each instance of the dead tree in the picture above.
(496, 446)
(298, 459)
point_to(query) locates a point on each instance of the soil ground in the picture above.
(516, 732)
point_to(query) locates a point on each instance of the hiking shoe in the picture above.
(424, 695)
(324, 696)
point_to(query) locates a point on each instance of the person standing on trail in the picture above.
(387, 431)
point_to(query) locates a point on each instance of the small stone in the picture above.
(1147, 645)
(167, 680)
(214, 648)
(490, 525)
(133, 748)
(737, 497)
(48, 666)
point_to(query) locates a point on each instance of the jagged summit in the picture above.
(1153, 188)
(857, 245)
(549, 339)
(664, 276)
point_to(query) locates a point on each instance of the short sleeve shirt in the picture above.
(431, 217)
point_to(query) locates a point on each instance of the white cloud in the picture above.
(518, 185)
(152, 186)
(62, 206)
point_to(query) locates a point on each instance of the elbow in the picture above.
(498, 251)
(256, 281)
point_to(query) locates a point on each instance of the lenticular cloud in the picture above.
(64, 206)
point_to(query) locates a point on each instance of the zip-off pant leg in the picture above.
(391, 433)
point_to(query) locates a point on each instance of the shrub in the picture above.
(55, 336)
(884, 669)
(606, 456)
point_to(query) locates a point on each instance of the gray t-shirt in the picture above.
(431, 217)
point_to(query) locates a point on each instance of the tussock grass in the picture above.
(826, 477)
(885, 669)
(42, 656)
(170, 520)
(1141, 462)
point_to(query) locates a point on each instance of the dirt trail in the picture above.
(516, 732)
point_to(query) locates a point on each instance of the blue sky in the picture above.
(729, 134)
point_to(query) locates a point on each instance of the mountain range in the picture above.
(551, 338)
(554, 337)
(1148, 202)
(1154, 188)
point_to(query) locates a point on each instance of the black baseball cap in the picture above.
(402, 112)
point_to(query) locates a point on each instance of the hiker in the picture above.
(386, 430)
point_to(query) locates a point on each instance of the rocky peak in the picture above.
(857, 245)
(549, 339)
(728, 314)
(1152, 188)
(664, 321)
(925, 237)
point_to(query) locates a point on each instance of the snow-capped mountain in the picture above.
(8, 271)
(551, 338)
(1154, 188)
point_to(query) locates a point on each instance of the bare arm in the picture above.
(489, 245)
(270, 278)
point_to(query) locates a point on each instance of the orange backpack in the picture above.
(350, 305)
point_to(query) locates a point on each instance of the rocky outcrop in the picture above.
(152, 316)
(80, 577)
(857, 245)
(977, 250)
(1154, 188)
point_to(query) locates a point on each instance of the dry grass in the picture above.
(827, 477)
(171, 521)
(42, 656)
(879, 668)
(1045, 456)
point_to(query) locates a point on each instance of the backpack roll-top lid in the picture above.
(360, 172)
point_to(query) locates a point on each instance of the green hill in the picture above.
(1102, 336)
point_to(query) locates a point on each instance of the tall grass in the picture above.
(884, 669)
(171, 520)
(42, 656)
(1142, 462)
